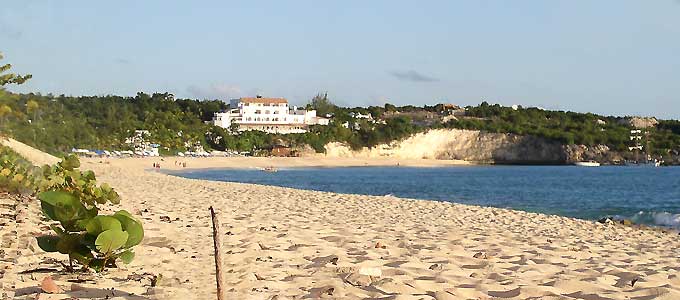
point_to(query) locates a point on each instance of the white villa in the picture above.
(271, 115)
(141, 145)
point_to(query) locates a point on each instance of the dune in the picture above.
(281, 243)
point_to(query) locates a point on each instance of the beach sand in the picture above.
(168, 163)
(281, 243)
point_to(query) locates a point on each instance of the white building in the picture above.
(141, 145)
(368, 117)
(272, 115)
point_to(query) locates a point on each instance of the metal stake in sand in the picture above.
(218, 255)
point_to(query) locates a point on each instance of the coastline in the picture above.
(282, 243)
(168, 162)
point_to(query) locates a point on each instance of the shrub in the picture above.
(95, 241)
(70, 197)
(17, 175)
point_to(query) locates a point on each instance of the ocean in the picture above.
(644, 195)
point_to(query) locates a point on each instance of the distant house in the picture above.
(140, 144)
(281, 150)
(361, 116)
(271, 115)
(453, 110)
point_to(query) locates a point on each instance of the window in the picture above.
(266, 112)
(276, 112)
(257, 112)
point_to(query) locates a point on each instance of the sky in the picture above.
(613, 57)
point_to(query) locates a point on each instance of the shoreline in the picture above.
(618, 219)
(284, 243)
(167, 162)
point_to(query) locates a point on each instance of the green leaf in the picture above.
(88, 241)
(56, 229)
(48, 210)
(67, 243)
(100, 224)
(111, 240)
(82, 254)
(97, 192)
(81, 225)
(127, 256)
(89, 175)
(48, 243)
(132, 226)
(100, 200)
(70, 162)
(66, 208)
(56, 198)
(114, 198)
(126, 213)
(75, 175)
(97, 264)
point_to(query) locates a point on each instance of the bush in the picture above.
(70, 197)
(17, 175)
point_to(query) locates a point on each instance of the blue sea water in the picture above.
(644, 195)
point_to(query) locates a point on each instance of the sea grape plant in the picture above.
(17, 175)
(66, 176)
(70, 198)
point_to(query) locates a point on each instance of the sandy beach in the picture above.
(281, 243)
(168, 163)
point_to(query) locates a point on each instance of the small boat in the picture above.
(270, 169)
(590, 163)
(649, 164)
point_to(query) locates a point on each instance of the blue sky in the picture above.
(618, 57)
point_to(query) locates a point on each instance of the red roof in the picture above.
(263, 100)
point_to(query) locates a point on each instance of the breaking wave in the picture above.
(657, 218)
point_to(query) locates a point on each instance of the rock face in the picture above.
(485, 147)
(600, 153)
(469, 145)
(640, 122)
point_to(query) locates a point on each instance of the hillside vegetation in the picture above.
(568, 127)
(58, 123)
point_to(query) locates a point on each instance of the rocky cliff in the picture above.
(469, 145)
(484, 147)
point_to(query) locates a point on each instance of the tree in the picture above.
(11, 78)
(32, 107)
(321, 104)
(5, 111)
(390, 107)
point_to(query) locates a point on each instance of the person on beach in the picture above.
(154, 165)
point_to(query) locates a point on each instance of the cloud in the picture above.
(10, 32)
(413, 76)
(122, 61)
(215, 91)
